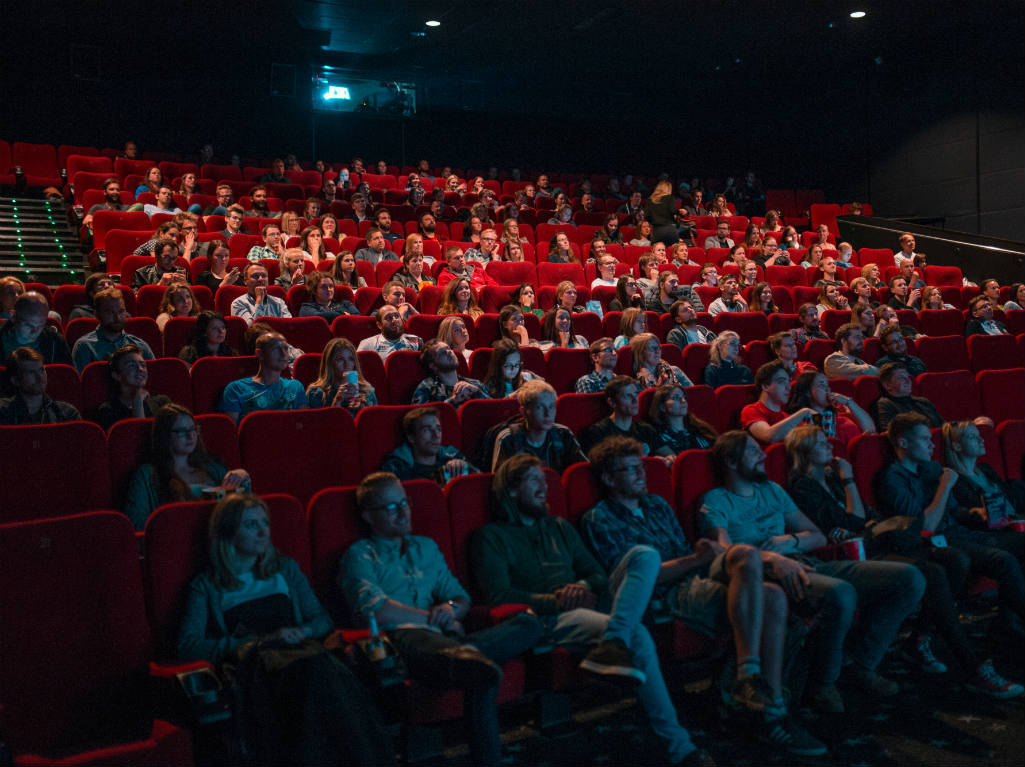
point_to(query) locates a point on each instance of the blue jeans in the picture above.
(630, 587)
(884, 592)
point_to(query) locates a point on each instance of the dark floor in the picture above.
(933, 721)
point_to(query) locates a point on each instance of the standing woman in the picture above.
(254, 606)
(660, 209)
(333, 386)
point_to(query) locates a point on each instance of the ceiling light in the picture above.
(857, 14)
(433, 23)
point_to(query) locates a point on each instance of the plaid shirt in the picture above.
(592, 383)
(559, 451)
(433, 389)
(610, 530)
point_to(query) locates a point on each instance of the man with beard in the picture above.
(428, 226)
(165, 271)
(111, 201)
(258, 196)
(110, 335)
(809, 318)
(442, 382)
(846, 363)
(383, 220)
(391, 338)
(30, 404)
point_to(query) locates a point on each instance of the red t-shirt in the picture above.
(757, 411)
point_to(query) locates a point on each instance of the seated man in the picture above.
(401, 582)
(456, 266)
(29, 327)
(808, 315)
(391, 338)
(423, 456)
(907, 271)
(442, 382)
(169, 230)
(982, 322)
(110, 335)
(721, 238)
(30, 404)
(784, 347)
(709, 588)
(580, 606)
(917, 486)
(164, 203)
(486, 251)
(687, 330)
(273, 244)
(537, 434)
(233, 221)
(748, 508)
(260, 209)
(393, 293)
(668, 291)
(895, 349)
(766, 420)
(603, 357)
(111, 201)
(225, 196)
(377, 248)
(382, 218)
(256, 302)
(729, 299)
(276, 174)
(622, 395)
(165, 271)
(94, 283)
(267, 390)
(896, 398)
(846, 363)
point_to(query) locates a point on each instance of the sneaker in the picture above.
(612, 658)
(788, 735)
(827, 699)
(753, 693)
(925, 658)
(871, 682)
(989, 682)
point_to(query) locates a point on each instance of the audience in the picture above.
(391, 338)
(846, 363)
(127, 375)
(109, 335)
(209, 338)
(441, 381)
(30, 404)
(537, 433)
(178, 301)
(621, 394)
(505, 373)
(256, 302)
(320, 287)
(838, 415)
(677, 427)
(982, 322)
(29, 328)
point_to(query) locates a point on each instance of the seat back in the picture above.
(955, 394)
(210, 375)
(379, 430)
(994, 352)
(1001, 393)
(942, 353)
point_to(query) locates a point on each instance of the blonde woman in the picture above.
(335, 385)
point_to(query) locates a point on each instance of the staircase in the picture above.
(37, 244)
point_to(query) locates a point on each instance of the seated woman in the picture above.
(720, 208)
(291, 269)
(505, 370)
(209, 339)
(472, 229)
(513, 252)
(563, 215)
(329, 226)
(789, 239)
(628, 294)
(748, 275)
(759, 299)
(633, 321)
(864, 316)
(610, 231)
(1017, 297)
(526, 299)
(838, 415)
(340, 381)
(291, 225)
(559, 250)
(320, 286)
(643, 235)
(412, 274)
(822, 237)
(871, 273)
(252, 599)
(647, 272)
(511, 325)
(127, 375)
(932, 298)
(649, 367)
(180, 468)
(188, 186)
(453, 331)
(218, 275)
(511, 232)
(178, 301)
(557, 331)
(830, 297)
(311, 240)
(566, 297)
(458, 298)
(830, 272)
(723, 367)
(414, 246)
(813, 257)
(753, 239)
(986, 501)
(677, 427)
(343, 270)
(861, 291)
(311, 209)
(681, 255)
(737, 255)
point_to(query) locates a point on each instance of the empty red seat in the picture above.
(553, 274)
(692, 478)
(730, 400)
(221, 172)
(1001, 393)
(750, 326)
(955, 394)
(210, 375)
(477, 416)
(77, 162)
(512, 273)
(790, 276)
(942, 322)
(38, 162)
(941, 353)
(994, 352)
(566, 366)
(310, 334)
(578, 411)
(1012, 444)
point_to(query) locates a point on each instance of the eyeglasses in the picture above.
(391, 508)
(489, 239)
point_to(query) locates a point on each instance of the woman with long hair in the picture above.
(771, 223)
(984, 500)
(513, 252)
(472, 229)
(863, 315)
(512, 326)
(414, 246)
(320, 288)
(312, 243)
(759, 299)
(830, 297)
(838, 415)
(677, 427)
(560, 251)
(180, 469)
(329, 226)
(633, 322)
(872, 275)
(643, 235)
(557, 331)
(720, 208)
(511, 233)
(723, 368)
(458, 298)
(505, 370)
(344, 271)
(660, 209)
(178, 301)
(253, 605)
(209, 339)
(525, 299)
(291, 225)
(610, 231)
(335, 385)
(812, 257)
(628, 295)
(151, 182)
(648, 366)
(932, 298)
(566, 297)
(453, 331)
(127, 376)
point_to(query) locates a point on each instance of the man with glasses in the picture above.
(603, 357)
(224, 199)
(233, 221)
(442, 382)
(485, 253)
(272, 247)
(402, 582)
(606, 263)
(165, 271)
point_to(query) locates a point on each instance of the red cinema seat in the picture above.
(168, 376)
(832, 319)
(335, 525)
(512, 273)
(578, 411)
(566, 366)
(63, 383)
(429, 299)
(221, 173)
(817, 349)
(354, 327)
(789, 276)
(1012, 444)
(867, 390)
(494, 297)
(881, 257)
(695, 360)
(942, 353)
(319, 445)
(6, 176)
(310, 334)
(955, 394)
(404, 375)
(211, 374)
(475, 418)
(38, 162)
(106, 220)
(64, 151)
(869, 455)
(78, 162)
(553, 274)
(147, 300)
(750, 326)
(730, 400)
(379, 429)
(146, 329)
(942, 322)
(692, 478)
(1001, 393)
(78, 578)
(34, 454)
(994, 352)
(582, 489)
(944, 276)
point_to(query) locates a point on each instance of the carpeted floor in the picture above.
(934, 721)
